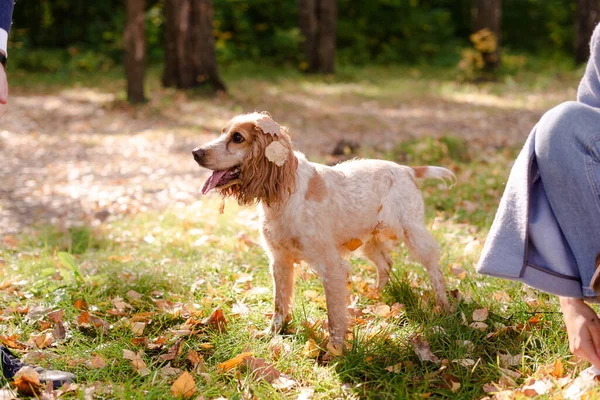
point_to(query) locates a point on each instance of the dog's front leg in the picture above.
(335, 277)
(282, 270)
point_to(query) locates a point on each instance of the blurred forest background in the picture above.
(310, 35)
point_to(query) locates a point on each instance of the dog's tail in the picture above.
(440, 173)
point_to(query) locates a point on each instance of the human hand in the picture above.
(583, 329)
(3, 90)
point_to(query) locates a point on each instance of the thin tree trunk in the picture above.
(135, 49)
(203, 42)
(327, 26)
(308, 24)
(190, 58)
(317, 21)
(487, 14)
(587, 15)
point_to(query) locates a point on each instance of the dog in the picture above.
(319, 214)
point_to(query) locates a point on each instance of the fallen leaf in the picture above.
(42, 340)
(216, 320)
(310, 349)
(480, 315)
(268, 126)
(353, 244)
(197, 361)
(27, 382)
(233, 362)
(278, 347)
(395, 369)
(306, 393)
(277, 153)
(132, 294)
(465, 362)
(56, 316)
(482, 326)
(537, 387)
(284, 383)
(173, 351)
(184, 386)
(97, 362)
(423, 350)
(240, 308)
(452, 381)
(459, 272)
(311, 294)
(335, 350)
(168, 371)
(508, 360)
(12, 341)
(59, 332)
(136, 360)
(80, 304)
(137, 328)
(261, 369)
(382, 310)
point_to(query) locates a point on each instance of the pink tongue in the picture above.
(212, 181)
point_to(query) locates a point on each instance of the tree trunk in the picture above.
(587, 15)
(487, 14)
(135, 49)
(190, 59)
(317, 21)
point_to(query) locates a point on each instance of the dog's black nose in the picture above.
(198, 154)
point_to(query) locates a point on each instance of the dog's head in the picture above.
(253, 160)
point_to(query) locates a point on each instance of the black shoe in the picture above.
(11, 365)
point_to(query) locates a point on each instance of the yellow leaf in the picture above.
(382, 310)
(27, 381)
(184, 386)
(335, 350)
(353, 244)
(234, 362)
(311, 294)
(310, 349)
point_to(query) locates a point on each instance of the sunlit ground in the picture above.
(83, 172)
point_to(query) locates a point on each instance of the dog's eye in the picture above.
(237, 138)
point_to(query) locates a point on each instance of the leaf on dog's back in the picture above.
(353, 244)
(268, 126)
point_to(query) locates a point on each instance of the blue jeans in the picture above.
(567, 150)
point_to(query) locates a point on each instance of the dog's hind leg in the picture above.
(423, 247)
(377, 252)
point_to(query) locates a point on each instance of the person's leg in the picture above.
(11, 365)
(567, 149)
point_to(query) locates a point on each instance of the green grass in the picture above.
(162, 255)
(194, 257)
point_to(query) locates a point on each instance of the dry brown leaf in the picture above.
(353, 244)
(268, 126)
(59, 332)
(184, 386)
(465, 362)
(382, 310)
(482, 326)
(508, 360)
(197, 361)
(136, 360)
(42, 340)
(137, 328)
(12, 341)
(56, 316)
(423, 350)
(173, 351)
(261, 369)
(335, 350)
(452, 381)
(480, 315)
(97, 362)
(133, 295)
(27, 382)
(87, 320)
(216, 320)
(80, 304)
(277, 153)
(459, 272)
(310, 349)
(233, 362)
(284, 383)
(395, 369)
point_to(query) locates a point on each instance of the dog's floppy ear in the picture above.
(269, 170)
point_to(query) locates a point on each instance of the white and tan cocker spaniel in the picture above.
(319, 214)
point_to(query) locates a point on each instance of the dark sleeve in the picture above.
(6, 9)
